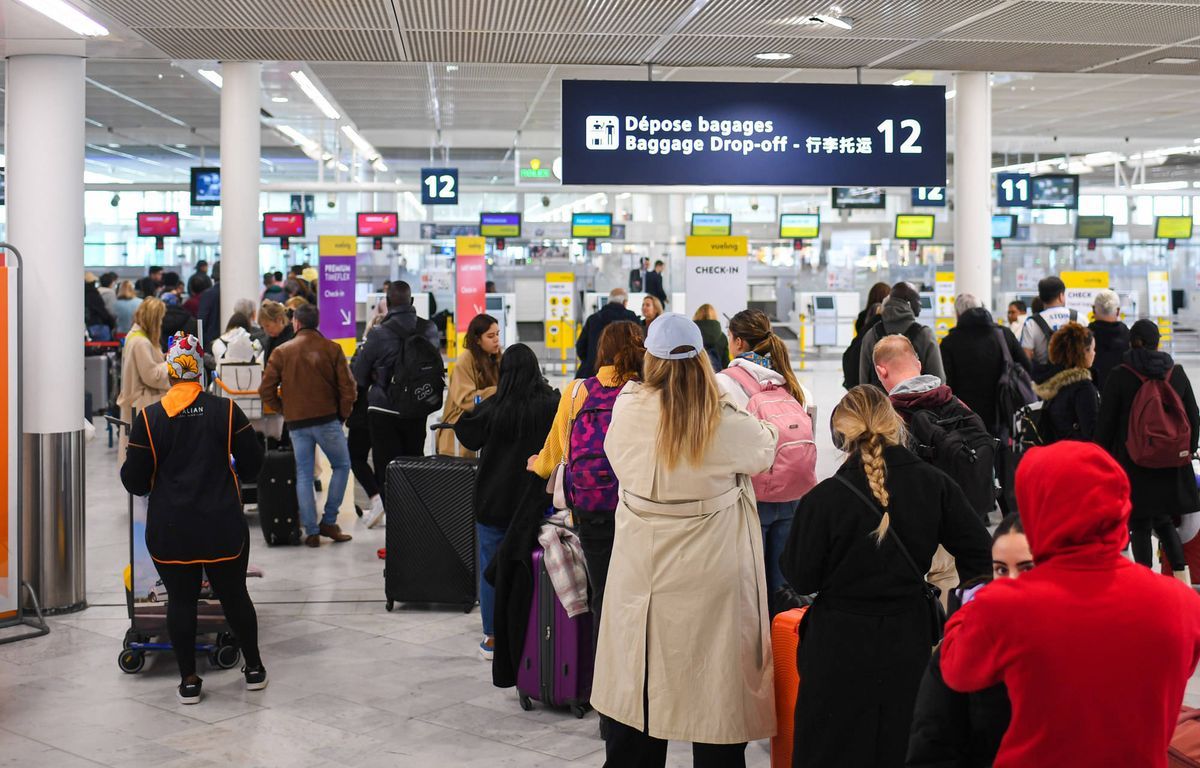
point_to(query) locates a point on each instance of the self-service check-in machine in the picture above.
(927, 316)
(824, 320)
(503, 307)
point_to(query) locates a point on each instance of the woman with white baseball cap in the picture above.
(684, 649)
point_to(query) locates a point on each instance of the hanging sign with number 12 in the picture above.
(439, 186)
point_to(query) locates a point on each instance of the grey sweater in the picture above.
(897, 317)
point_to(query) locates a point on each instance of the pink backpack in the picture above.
(794, 472)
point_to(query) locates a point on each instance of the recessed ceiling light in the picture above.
(772, 56)
(451, 67)
(211, 76)
(181, 146)
(160, 75)
(280, 99)
(113, 145)
(1174, 60)
(902, 81)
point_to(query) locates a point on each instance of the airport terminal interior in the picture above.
(534, 162)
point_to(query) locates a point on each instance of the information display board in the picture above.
(800, 226)
(655, 133)
(591, 225)
(1054, 190)
(560, 310)
(439, 186)
(337, 266)
(1004, 225)
(712, 224)
(1173, 227)
(914, 226)
(470, 280)
(283, 225)
(1093, 227)
(500, 225)
(929, 197)
(858, 197)
(717, 272)
(206, 186)
(158, 225)
(378, 224)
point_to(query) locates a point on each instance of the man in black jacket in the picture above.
(973, 358)
(637, 277)
(589, 340)
(654, 282)
(391, 437)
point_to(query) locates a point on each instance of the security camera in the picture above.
(545, 201)
(754, 205)
(116, 200)
(331, 201)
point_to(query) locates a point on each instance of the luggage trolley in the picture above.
(145, 599)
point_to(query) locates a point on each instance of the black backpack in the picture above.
(954, 439)
(417, 380)
(1014, 388)
(850, 360)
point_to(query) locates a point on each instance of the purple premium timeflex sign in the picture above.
(335, 290)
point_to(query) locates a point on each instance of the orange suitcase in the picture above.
(785, 639)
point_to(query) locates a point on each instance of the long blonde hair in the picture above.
(868, 423)
(691, 407)
(149, 317)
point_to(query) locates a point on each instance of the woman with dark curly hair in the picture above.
(1072, 402)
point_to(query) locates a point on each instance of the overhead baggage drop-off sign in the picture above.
(780, 134)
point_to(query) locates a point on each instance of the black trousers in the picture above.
(1143, 552)
(595, 530)
(627, 747)
(359, 443)
(228, 581)
(391, 438)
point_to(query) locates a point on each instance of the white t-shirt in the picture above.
(1032, 337)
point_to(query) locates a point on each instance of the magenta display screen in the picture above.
(378, 224)
(283, 225)
(158, 224)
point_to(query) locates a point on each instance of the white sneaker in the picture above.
(487, 648)
(373, 515)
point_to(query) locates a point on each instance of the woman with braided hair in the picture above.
(866, 640)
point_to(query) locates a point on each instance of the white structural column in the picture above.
(44, 140)
(241, 224)
(972, 185)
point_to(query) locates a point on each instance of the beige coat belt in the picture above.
(693, 508)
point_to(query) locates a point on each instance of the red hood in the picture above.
(1074, 502)
(920, 401)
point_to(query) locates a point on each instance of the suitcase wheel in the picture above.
(389, 605)
(294, 538)
(527, 705)
(579, 710)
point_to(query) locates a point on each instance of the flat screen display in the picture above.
(591, 225)
(283, 225)
(859, 197)
(1004, 225)
(1055, 190)
(1173, 227)
(378, 224)
(500, 224)
(800, 226)
(715, 224)
(206, 186)
(914, 226)
(1093, 227)
(158, 224)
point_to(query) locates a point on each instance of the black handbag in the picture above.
(937, 612)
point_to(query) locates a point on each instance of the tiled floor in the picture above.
(351, 685)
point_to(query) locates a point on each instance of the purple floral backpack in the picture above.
(589, 482)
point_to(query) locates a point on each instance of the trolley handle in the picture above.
(119, 424)
(229, 391)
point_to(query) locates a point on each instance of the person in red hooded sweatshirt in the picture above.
(1095, 650)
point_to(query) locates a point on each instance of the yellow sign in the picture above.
(699, 245)
(337, 245)
(1085, 279)
(470, 246)
(1173, 227)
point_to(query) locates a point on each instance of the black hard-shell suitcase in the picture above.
(278, 509)
(430, 531)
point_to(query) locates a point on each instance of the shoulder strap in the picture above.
(744, 379)
(1072, 315)
(1136, 372)
(1004, 347)
(1042, 325)
(913, 332)
(566, 459)
(891, 529)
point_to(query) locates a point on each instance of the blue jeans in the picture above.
(776, 519)
(332, 440)
(489, 541)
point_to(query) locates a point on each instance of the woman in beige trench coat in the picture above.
(144, 378)
(684, 649)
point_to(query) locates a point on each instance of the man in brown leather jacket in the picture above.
(309, 381)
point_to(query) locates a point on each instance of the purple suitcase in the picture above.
(556, 662)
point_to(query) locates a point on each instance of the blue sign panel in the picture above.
(439, 186)
(929, 197)
(631, 132)
(1013, 190)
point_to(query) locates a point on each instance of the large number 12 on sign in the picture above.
(439, 186)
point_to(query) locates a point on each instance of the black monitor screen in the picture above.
(859, 197)
(206, 186)
(1055, 190)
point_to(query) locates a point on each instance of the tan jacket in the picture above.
(144, 378)
(685, 606)
(308, 380)
(460, 399)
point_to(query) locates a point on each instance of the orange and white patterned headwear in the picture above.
(185, 358)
